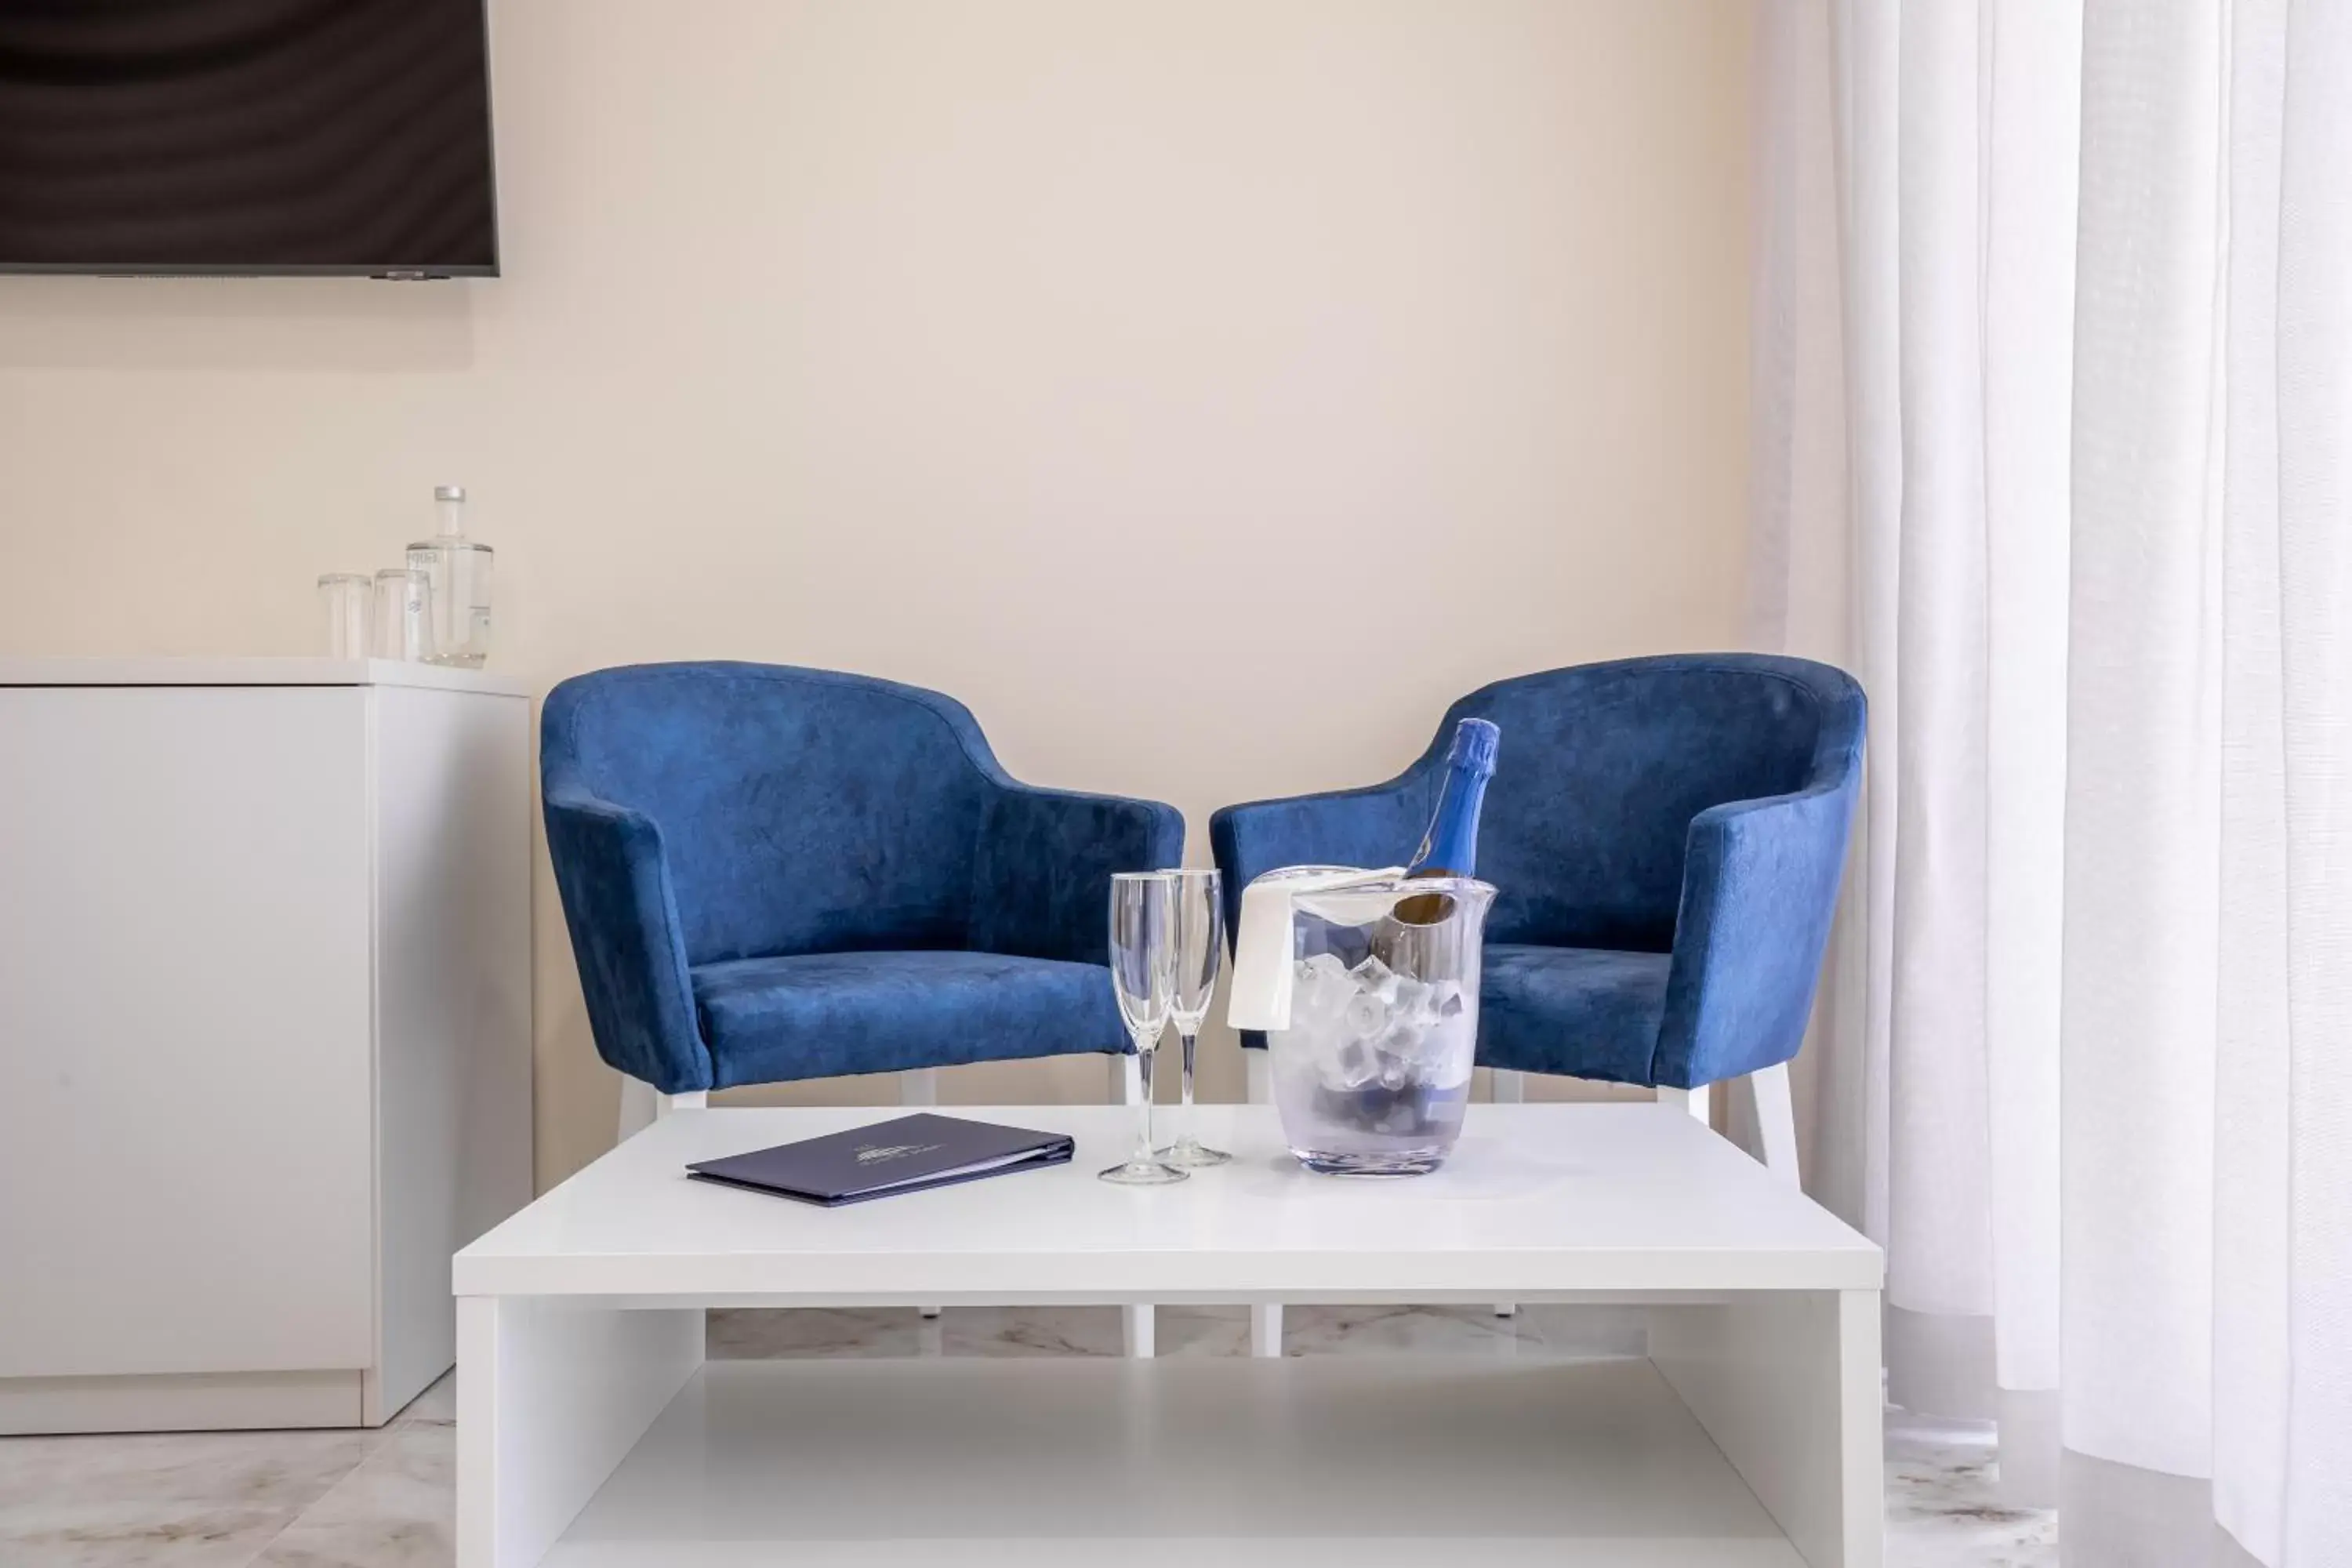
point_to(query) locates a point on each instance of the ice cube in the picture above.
(1373, 975)
(1316, 1051)
(1367, 1017)
(1359, 1064)
(1319, 990)
(1404, 1037)
(1411, 997)
(1446, 1056)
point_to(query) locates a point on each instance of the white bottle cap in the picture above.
(448, 492)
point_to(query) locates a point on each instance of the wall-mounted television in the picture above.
(247, 137)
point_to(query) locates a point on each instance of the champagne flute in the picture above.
(1197, 940)
(1142, 974)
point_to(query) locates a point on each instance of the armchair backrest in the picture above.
(1603, 766)
(800, 810)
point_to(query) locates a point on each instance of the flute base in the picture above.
(1189, 1153)
(1143, 1173)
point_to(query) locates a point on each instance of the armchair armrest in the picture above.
(1040, 879)
(625, 935)
(1760, 890)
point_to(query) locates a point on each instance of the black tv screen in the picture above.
(246, 136)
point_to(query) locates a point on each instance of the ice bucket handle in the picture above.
(1260, 996)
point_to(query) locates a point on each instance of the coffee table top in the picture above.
(1537, 1201)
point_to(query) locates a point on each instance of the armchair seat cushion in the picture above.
(1592, 1012)
(773, 1020)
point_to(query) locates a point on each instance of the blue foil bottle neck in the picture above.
(1450, 844)
(1475, 743)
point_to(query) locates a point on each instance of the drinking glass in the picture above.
(343, 605)
(404, 614)
(1197, 942)
(1142, 973)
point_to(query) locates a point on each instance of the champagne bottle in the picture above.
(1450, 846)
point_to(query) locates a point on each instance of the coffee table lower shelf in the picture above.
(1381, 1463)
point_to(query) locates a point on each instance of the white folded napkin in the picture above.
(1260, 995)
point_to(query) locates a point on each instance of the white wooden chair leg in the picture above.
(1126, 1079)
(1137, 1328)
(643, 1105)
(640, 1104)
(1266, 1316)
(1693, 1100)
(1775, 1120)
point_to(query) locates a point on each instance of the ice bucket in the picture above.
(1372, 1075)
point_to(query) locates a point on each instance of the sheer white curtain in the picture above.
(2054, 448)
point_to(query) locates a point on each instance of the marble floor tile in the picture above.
(172, 1499)
(243, 1469)
(398, 1509)
(136, 1534)
(760, 1333)
(1548, 1331)
(437, 1406)
(1943, 1507)
(822, 1333)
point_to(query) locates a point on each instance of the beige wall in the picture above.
(1065, 354)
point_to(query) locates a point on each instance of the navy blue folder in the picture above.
(907, 1155)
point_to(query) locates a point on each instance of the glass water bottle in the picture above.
(458, 569)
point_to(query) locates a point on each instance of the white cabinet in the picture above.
(265, 1032)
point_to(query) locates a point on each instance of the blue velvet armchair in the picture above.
(1667, 836)
(773, 873)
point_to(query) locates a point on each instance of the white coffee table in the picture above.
(591, 1433)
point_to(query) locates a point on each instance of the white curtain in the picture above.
(2053, 448)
